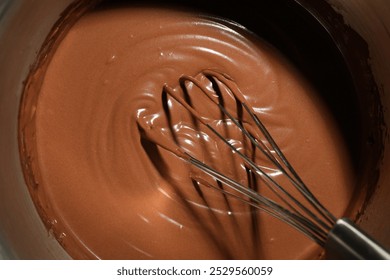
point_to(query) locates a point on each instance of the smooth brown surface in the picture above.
(94, 181)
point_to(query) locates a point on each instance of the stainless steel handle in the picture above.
(347, 241)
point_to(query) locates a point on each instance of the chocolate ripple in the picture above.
(116, 195)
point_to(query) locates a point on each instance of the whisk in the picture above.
(340, 238)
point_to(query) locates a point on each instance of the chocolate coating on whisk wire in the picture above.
(308, 216)
(313, 219)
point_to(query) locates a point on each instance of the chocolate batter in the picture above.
(106, 192)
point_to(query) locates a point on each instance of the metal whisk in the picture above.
(340, 238)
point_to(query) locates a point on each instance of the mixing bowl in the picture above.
(342, 46)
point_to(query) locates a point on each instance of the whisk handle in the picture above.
(347, 241)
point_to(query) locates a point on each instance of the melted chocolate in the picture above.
(106, 192)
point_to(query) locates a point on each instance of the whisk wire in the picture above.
(271, 183)
(338, 236)
(295, 212)
(274, 186)
(261, 202)
(295, 178)
(315, 202)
